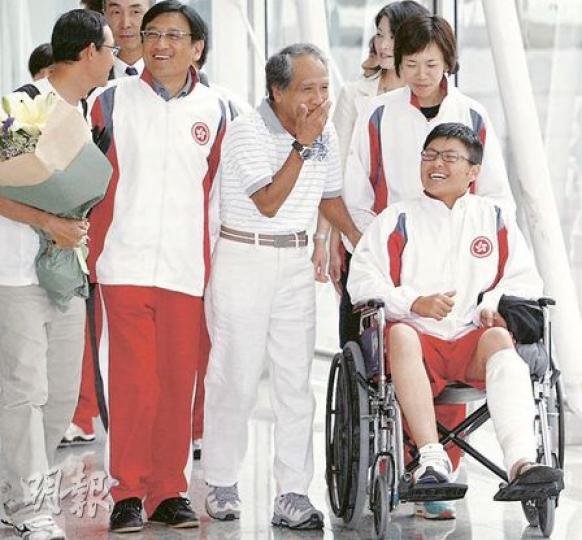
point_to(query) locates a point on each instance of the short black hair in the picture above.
(40, 58)
(198, 27)
(398, 12)
(461, 132)
(74, 31)
(93, 5)
(105, 2)
(417, 33)
(279, 68)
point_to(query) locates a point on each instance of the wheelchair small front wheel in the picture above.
(530, 510)
(381, 506)
(546, 515)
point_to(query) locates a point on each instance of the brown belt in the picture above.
(274, 240)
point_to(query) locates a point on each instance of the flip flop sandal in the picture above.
(536, 482)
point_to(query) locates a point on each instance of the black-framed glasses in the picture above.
(114, 49)
(171, 35)
(449, 156)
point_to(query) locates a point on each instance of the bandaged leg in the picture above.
(511, 405)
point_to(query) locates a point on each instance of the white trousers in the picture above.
(262, 303)
(41, 353)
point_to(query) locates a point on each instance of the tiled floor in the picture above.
(479, 518)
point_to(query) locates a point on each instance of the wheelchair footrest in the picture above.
(409, 492)
(536, 483)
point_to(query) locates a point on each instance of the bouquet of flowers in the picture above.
(48, 161)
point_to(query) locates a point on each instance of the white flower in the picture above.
(30, 115)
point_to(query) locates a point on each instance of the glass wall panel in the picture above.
(552, 35)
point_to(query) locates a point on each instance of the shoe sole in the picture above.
(228, 516)
(123, 530)
(443, 516)
(314, 522)
(184, 525)
(76, 442)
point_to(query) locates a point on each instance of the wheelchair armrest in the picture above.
(546, 301)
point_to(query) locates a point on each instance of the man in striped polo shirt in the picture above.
(279, 165)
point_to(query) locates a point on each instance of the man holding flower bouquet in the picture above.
(41, 320)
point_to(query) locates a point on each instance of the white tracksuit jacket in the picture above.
(154, 228)
(383, 165)
(420, 247)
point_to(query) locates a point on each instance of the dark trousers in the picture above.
(349, 322)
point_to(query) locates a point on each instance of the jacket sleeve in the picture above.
(372, 268)
(344, 119)
(358, 191)
(493, 181)
(518, 276)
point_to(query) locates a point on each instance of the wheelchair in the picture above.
(365, 439)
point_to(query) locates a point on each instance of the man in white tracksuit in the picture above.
(150, 255)
(430, 259)
(279, 165)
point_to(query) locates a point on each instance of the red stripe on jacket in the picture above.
(396, 244)
(377, 176)
(213, 162)
(503, 247)
(102, 214)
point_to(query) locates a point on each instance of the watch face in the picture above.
(306, 153)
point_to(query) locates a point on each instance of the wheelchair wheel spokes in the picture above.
(546, 515)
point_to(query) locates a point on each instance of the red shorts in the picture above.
(445, 361)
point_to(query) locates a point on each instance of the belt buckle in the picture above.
(280, 241)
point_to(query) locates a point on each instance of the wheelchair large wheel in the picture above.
(381, 506)
(541, 513)
(347, 436)
(556, 419)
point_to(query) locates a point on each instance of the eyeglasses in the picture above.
(114, 49)
(154, 35)
(449, 156)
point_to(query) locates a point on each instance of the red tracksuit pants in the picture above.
(150, 347)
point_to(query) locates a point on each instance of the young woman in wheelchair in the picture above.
(429, 260)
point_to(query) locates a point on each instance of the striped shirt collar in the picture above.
(270, 118)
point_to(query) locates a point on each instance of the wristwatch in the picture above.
(305, 152)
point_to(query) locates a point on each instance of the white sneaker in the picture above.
(76, 436)
(434, 465)
(296, 512)
(223, 502)
(438, 510)
(40, 528)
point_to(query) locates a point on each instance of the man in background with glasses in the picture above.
(125, 18)
(40, 346)
(150, 256)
